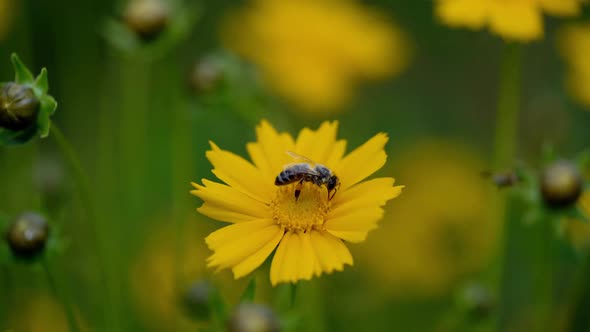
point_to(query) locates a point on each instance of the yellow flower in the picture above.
(310, 231)
(6, 9)
(447, 231)
(313, 52)
(520, 20)
(578, 231)
(39, 312)
(574, 44)
(161, 307)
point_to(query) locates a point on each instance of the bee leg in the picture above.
(333, 192)
(298, 187)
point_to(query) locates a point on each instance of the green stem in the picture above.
(71, 318)
(508, 107)
(504, 153)
(578, 319)
(182, 161)
(82, 182)
(543, 293)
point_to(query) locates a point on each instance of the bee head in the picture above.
(332, 182)
(332, 185)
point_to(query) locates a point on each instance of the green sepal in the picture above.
(17, 137)
(249, 292)
(41, 82)
(48, 106)
(22, 75)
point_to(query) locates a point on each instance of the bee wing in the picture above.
(299, 167)
(299, 157)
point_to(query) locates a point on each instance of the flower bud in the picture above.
(18, 107)
(249, 317)
(478, 301)
(561, 184)
(147, 18)
(27, 235)
(206, 75)
(196, 299)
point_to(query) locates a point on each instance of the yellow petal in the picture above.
(309, 256)
(317, 145)
(375, 192)
(256, 259)
(280, 270)
(269, 153)
(222, 214)
(335, 156)
(330, 252)
(520, 21)
(305, 256)
(278, 261)
(363, 161)
(243, 244)
(229, 234)
(465, 13)
(353, 227)
(240, 174)
(224, 203)
(561, 7)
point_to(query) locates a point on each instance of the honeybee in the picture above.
(308, 171)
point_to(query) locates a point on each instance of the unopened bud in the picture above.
(561, 184)
(478, 301)
(27, 235)
(147, 18)
(206, 75)
(197, 298)
(18, 107)
(249, 317)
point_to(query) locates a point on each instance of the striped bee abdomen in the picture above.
(293, 173)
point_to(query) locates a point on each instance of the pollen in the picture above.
(307, 213)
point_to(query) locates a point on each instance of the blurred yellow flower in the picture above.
(574, 44)
(578, 231)
(309, 231)
(441, 228)
(520, 20)
(6, 11)
(39, 312)
(313, 52)
(153, 277)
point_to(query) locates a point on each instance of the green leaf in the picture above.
(41, 82)
(22, 75)
(249, 292)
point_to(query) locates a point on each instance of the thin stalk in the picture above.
(544, 275)
(82, 182)
(504, 153)
(182, 165)
(71, 318)
(508, 107)
(108, 184)
(578, 319)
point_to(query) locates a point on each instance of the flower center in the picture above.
(304, 214)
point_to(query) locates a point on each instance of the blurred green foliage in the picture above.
(141, 131)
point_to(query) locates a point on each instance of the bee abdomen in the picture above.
(286, 177)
